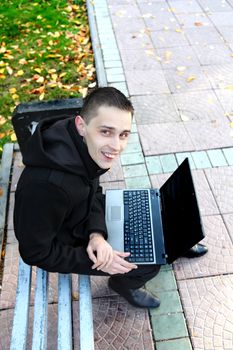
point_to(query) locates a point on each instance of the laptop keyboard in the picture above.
(137, 226)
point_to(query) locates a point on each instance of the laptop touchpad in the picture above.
(115, 213)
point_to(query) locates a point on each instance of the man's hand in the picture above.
(99, 251)
(119, 264)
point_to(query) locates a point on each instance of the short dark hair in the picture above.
(104, 96)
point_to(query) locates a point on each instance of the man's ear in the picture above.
(80, 125)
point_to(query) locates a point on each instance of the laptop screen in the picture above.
(180, 213)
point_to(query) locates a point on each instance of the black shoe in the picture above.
(136, 297)
(196, 251)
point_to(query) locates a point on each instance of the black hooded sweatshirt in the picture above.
(58, 200)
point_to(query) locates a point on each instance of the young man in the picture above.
(59, 217)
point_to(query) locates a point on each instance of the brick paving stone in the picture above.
(228, 219)
(153, 165)
(213, 54)
(201, 159)
(228, 153)
(146, 82)
(133, 147)
(170, 303)
(208, 305)
(138, 182)
(164, 138)
(221, 19)
(181, 344)
(177, 57)
(124, 10)
(219, 258)
(192, 79)
(221, 183)
(158, 21)
(181, 157)
(192, 19)
(214, 6)
(220, 76)
(168, 38)
(203, 36)
(217, 157)
(133, 40)
(114, 174)
(163, 282)
(132, 158)
(121, 24)
(207, 134)
(227, 33)
(142, 59)
(168, 162)
(198, 106)
(117, 325)
(169, 326)
(182, 6)
(226, 99)
(154, 109)
(155, 8)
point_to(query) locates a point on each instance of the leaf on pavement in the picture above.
(191, 78)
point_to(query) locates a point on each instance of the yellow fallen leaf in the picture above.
(13, 137)
(172, 9)
(2, 49)
(38, 70)
(15, 97)
(2, 76)
(166, 28)
(232, 54)
(2, 64)
(83, 91)
(20, 73)
(54, 77)
(41, 97)
(178, 30)
(168, 55)
(2, 70)
(51, 71)
(12, 90)
(191, 78)
(22, 61)
(39, 17)
(228, 87)
(231, 125)
(62, 75)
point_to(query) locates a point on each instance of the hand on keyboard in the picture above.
(119, 264)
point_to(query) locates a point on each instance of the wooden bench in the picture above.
(64, 325)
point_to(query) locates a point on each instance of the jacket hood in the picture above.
(56, 144)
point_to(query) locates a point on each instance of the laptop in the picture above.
(155, 225)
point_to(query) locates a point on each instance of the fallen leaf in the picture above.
(40, 80)
(198, 24)
(13, 137)
(38, 70)
(231, 125)
(41, 97)
(1, 191)
(168, 55)
(2, 76)
(12, 90)
(19, 73)
(181, 68)
(191, 78)
(178, 30)
(9, 70)
(15, 97)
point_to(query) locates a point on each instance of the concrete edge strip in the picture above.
(5, 171)
(110, 53)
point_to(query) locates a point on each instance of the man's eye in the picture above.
(105, 132)
(124, 135)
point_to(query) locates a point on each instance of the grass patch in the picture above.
(45, 53)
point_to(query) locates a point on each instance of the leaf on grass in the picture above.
(191, 78)
(38, 70)
(40, 80)
(62, 75)
(2, 76)
(15, 96)
(37, 91)
(13, 137)
(51, 71)
(41, 97)
(12, 90)
(22, 61)
(19, 73)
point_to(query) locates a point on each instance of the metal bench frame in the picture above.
(39, 337)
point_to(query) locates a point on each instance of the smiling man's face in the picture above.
(106, 134)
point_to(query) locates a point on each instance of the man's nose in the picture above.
(116, 144)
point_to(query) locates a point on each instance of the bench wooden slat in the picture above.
(85, 313)
(20, 323)
(64, 312)
(40, 324)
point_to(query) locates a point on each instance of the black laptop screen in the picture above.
(180, 213)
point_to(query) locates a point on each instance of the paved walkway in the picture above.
(174, 59)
